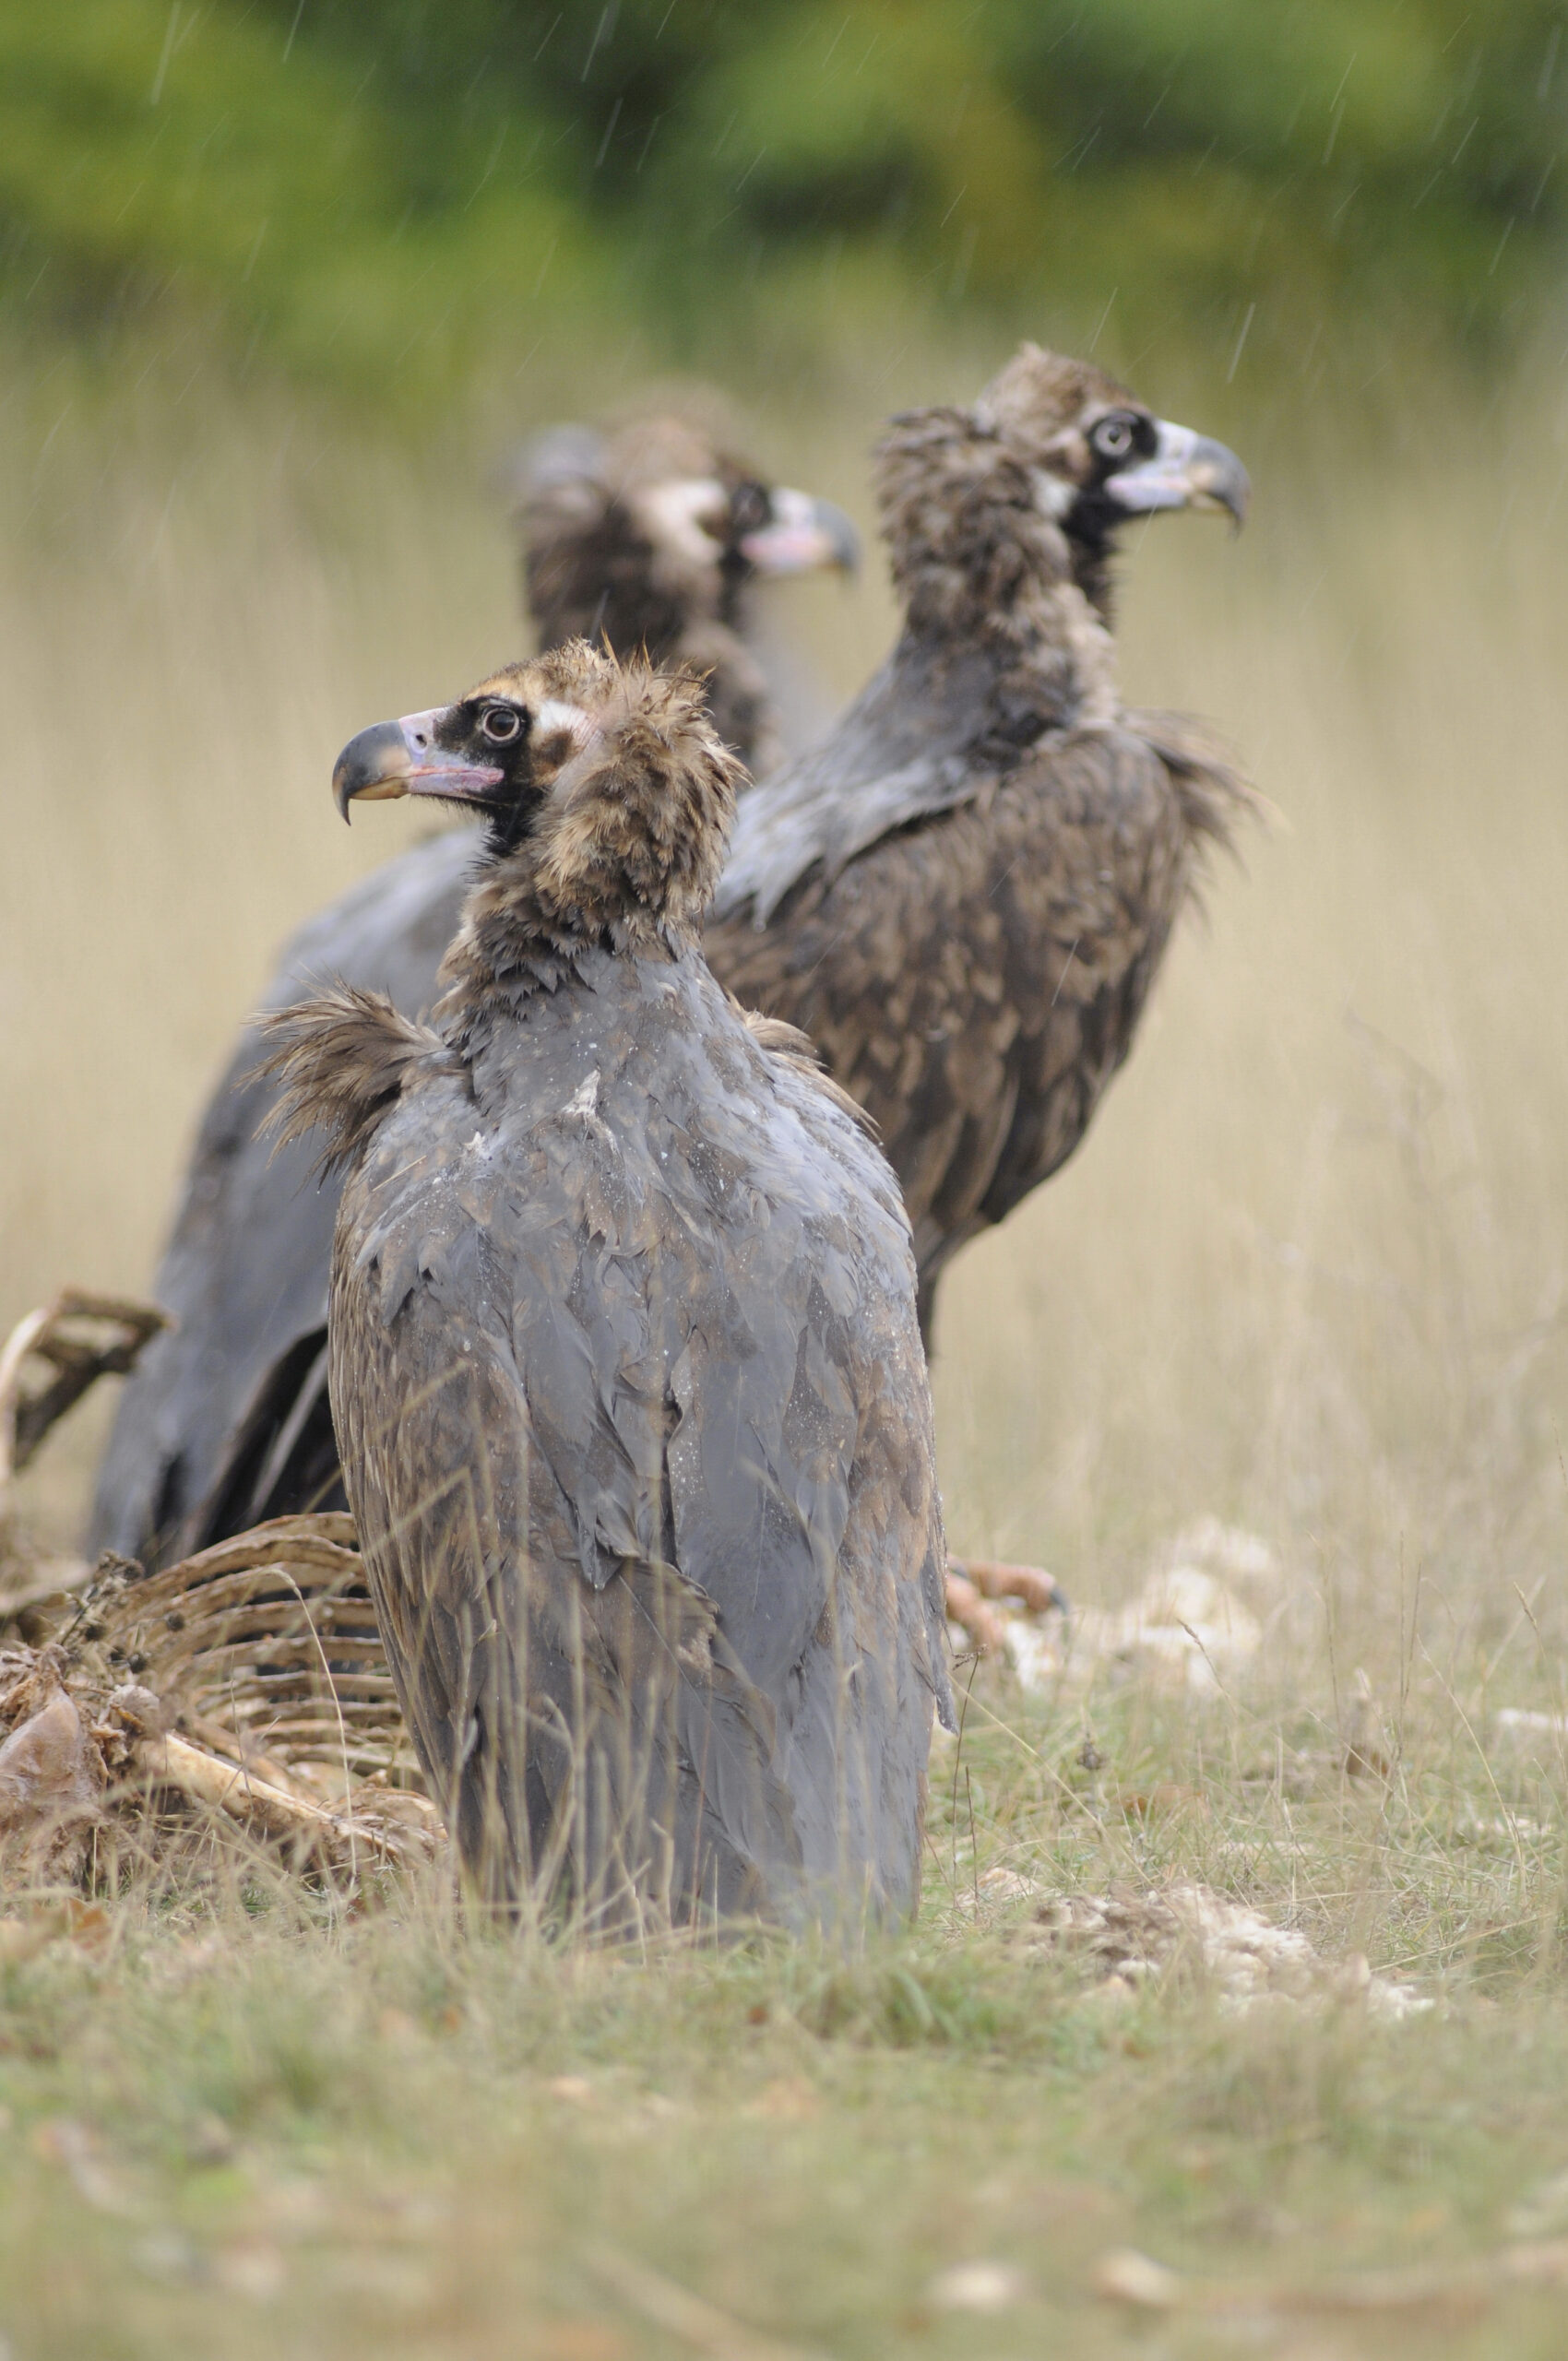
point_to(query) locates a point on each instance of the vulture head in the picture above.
(633, 536)
(606, 792)
(1051, 447)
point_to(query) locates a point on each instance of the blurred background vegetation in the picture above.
(407, 199)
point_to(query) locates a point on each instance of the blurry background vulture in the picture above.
(650, 538)
(624, 1350)
(962, 894)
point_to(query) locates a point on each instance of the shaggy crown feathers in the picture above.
(1035, 401)
(959, 496)
(628, 840)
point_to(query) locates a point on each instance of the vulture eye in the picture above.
(1114, 437)
(750, 508)
(501, 724)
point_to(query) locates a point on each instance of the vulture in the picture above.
(646, 538)
(650, 538)
(623, 1349)
(963, 893)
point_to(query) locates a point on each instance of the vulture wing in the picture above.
(974, 976)
(903, 752)
(230, 1408)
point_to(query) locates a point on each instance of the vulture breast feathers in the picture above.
(623, 1352)
(964, 893)
(647, 539)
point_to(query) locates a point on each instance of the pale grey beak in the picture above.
(394, 758)
(801, 535)
(1185, 471)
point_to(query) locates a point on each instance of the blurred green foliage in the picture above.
(401, 194)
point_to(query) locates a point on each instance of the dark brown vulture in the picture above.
(649, 539)
(623, 1352)
(964, 893)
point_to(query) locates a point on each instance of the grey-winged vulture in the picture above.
(623, 1348)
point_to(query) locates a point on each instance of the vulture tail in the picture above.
(340, 1062)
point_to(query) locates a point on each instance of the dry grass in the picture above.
(1308, 1275)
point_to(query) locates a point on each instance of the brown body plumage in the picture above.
(623, 1352)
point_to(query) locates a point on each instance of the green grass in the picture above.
(247, 2124)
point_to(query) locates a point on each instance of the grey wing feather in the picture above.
(438, 1477)
(557, 455)
(898, 755)
(498, 1325)
(245, 1271)
(732, 1524)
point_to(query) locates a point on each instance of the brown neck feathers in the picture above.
(979, 563)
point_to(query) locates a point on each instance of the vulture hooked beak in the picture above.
(801, 535)
(394, 758)
(1184, 470)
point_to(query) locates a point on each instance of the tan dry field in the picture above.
(1307, 1276)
